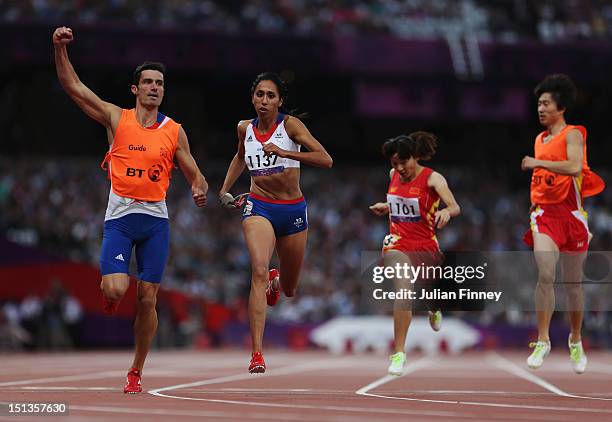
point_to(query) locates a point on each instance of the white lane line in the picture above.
(70, 388)
(352, 409)
(155, 364)
(287, 392)
(307, 392)
(501, 405)
(483, 392)
(512, 368)
(302, 416)
(90, 376)
(194, 413)
(365, 391)
(411, 367)
(264, 390)
(149, 371)
(287, 370)
(95, 375)
(327, 364)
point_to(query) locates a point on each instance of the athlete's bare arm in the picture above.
(438, 183)
(199, 186)
(238, 164)
(315, 156)
(571, 167)
(103, 112)
(382, 208)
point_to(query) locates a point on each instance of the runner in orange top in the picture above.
(143, 144)
(412, 203)
(561, 179)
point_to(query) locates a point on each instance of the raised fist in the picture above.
(62, 36)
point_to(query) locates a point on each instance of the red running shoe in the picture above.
(258, 365)
(272, 295)
(109, 307)
(133, 385)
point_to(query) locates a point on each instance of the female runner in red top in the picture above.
(412, 203)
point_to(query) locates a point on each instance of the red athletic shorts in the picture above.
(426, 252)
(568, 229)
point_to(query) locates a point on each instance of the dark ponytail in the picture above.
(419, 145)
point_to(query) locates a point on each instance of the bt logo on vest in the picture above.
(134, 172)
(154, 172)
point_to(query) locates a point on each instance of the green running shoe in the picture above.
(577, 356)
(540, 351)
(398, 361)
(435, 320)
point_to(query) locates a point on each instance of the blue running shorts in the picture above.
(287, 217)
(149, 235)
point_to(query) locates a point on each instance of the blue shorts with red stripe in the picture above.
(148, 235)
(287, 217)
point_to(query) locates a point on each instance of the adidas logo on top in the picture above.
(120, 257)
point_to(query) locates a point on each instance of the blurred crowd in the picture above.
(52, 322)
(507, 20)
(58, 205)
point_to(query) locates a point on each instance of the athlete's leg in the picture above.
(151, 255)
(290, 250)
(402, 309)
(115, 255)
(546, 255)
(572, 272)
(114, 286)
(260, 239)
(145, 324)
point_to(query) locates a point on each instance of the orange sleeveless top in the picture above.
(140, 160)
(548, 187)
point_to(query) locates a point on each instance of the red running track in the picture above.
(311, 386)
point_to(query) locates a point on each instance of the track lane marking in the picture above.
(420, 364)
(289, 370)
(512, 368)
